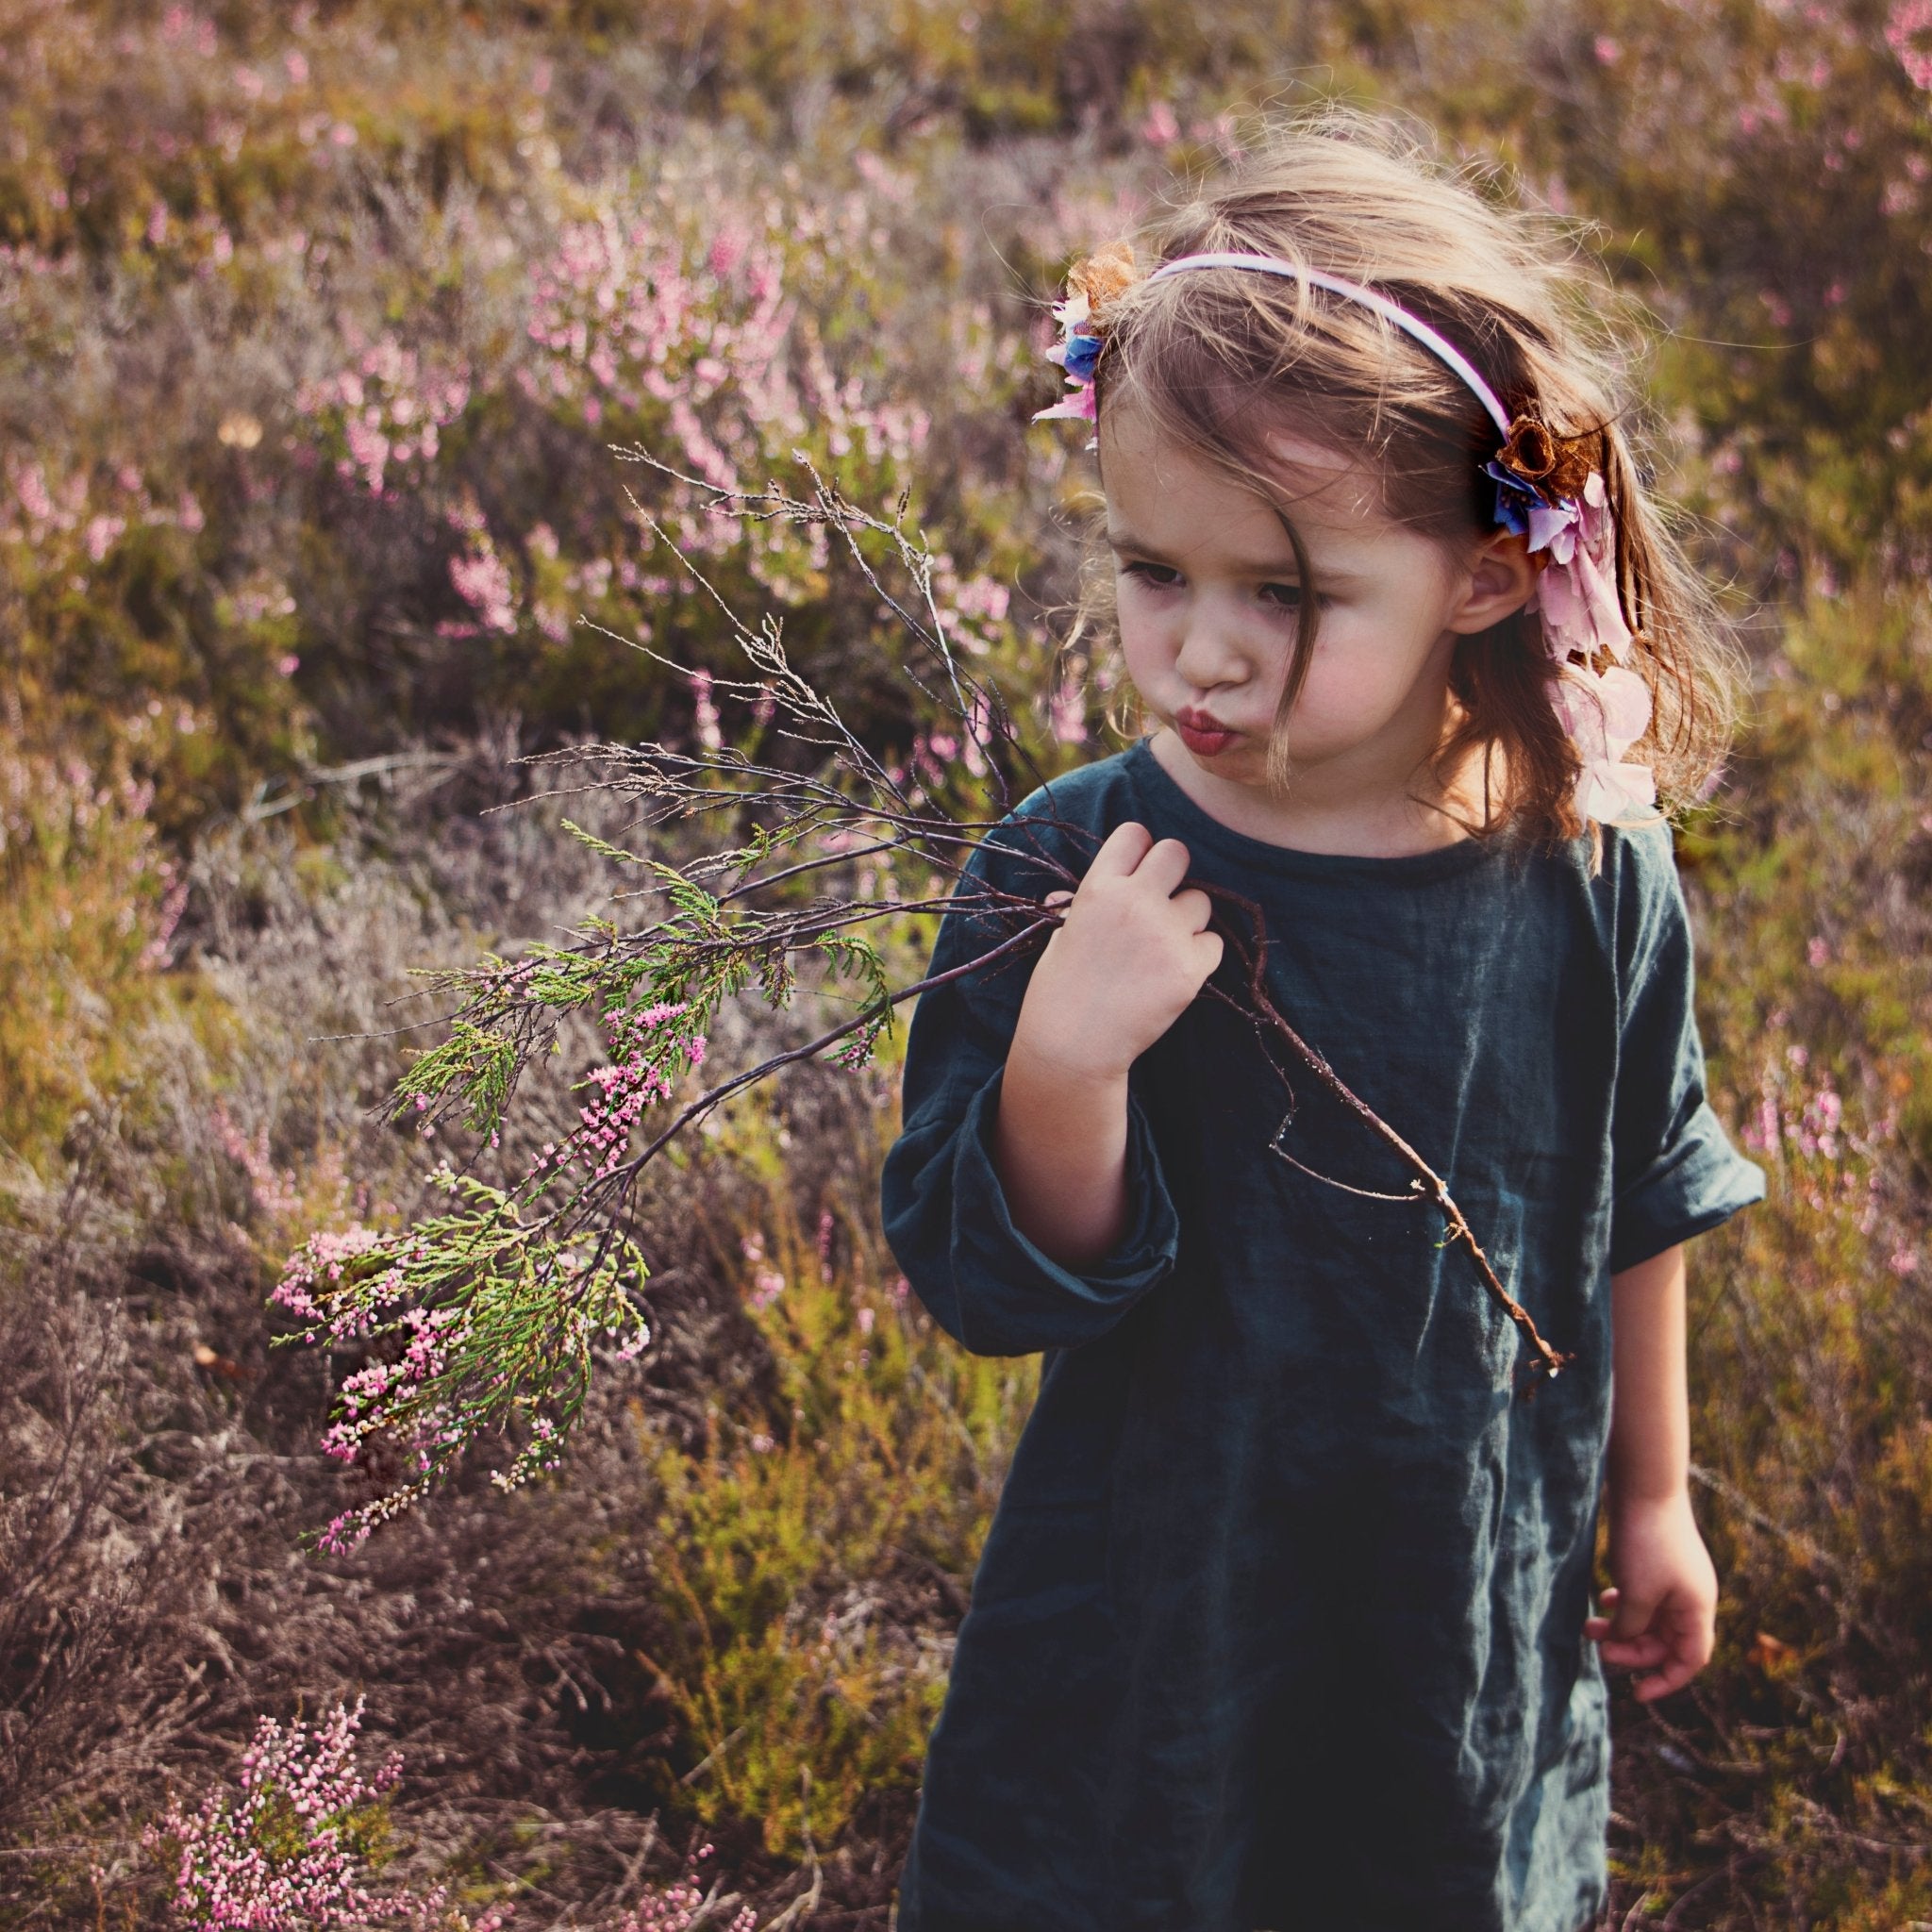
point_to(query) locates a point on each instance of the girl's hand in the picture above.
(1125, 963)
(1660, 1614)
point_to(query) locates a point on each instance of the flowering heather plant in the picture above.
(288, 1848)
(684, 1903)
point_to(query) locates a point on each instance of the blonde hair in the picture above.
(1359, 197)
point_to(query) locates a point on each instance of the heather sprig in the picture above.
(476, 1320)
(487, 1319)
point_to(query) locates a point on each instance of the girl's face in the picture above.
(1208, 597)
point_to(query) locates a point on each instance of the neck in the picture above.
(1351, 815)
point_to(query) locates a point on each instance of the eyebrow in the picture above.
(1273, 567)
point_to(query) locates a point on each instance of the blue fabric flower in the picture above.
(1082, 353)
(1514, 499)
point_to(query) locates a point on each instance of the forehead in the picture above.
(1153, 481)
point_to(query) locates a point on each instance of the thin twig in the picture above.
(1548, 1362)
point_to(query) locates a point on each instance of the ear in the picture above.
(1501, 576)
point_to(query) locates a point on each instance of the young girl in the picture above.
(1284, 1620)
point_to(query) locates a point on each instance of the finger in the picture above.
(1634, 1653)
(1059, 898)
(1123, 850)
(1208, 950)
(1632, 1616)
(1197, 906)
(1164, 864)
(1673, 1676)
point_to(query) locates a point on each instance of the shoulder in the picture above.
(1635, 881)
(1648, 922)
(1642, 858)
(1646, 856)
(1095, 795)
(1060, 824)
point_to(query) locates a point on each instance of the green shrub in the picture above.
(795, 1536)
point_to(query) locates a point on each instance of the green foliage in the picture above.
(89, 890)
(791, 1536)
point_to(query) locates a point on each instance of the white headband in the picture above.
(1430, 339)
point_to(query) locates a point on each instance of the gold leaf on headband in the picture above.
(1102, 277)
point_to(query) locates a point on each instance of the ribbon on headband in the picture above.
(1549, 488)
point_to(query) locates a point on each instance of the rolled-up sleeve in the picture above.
(1675, 1173)
(944, 1212)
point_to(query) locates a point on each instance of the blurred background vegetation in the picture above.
(320, 324)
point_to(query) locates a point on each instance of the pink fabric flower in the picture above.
(1606, 713)
(1077, 408)
(1577, 589)
(1072, 315)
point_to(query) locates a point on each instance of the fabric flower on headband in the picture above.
(1549, 489)
(1077, 351)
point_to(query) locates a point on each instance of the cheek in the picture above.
(1362, 669)
(1143, 635)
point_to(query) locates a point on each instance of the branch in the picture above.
(1547, 1363)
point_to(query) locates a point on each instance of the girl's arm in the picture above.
(1660, 1614)
(1129, 956)
(1060, 1147)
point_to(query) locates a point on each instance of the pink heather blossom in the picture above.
(241, 1865)
(31, 488)
(1161, 129)
(704, 711)
(321, 1259)
(681, 1904)
(728, 249)
(274, 1190)
(483, 582)
(369, 449)
(1909, 34)
(1067, 712)
(101, 533)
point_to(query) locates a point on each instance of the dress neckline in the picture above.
(1157, 786)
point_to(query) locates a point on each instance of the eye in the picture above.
(1288, 596)
(1156, 576)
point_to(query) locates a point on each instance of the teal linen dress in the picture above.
(1280, 1620)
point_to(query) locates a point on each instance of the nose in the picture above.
(1214, 649)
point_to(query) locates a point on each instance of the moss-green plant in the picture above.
(788, 1538)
